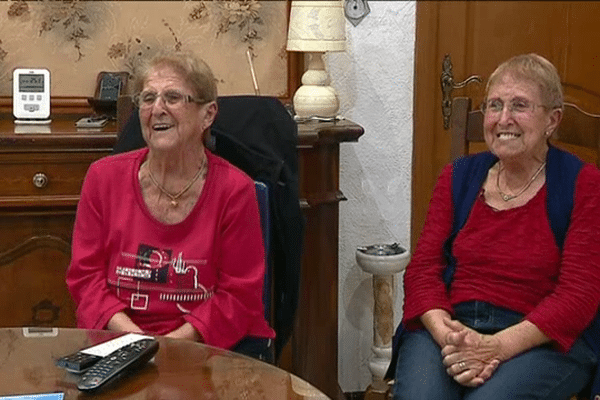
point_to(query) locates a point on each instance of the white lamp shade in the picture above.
(317, 26)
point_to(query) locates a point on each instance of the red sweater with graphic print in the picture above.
(509, 258)
(207, 270)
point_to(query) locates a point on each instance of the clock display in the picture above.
(31, 83)
(31, 95)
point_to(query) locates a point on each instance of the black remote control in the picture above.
(117, 364)
(77, 362)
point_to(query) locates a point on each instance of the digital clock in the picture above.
(31, 95)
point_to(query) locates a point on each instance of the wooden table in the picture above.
(180, 370)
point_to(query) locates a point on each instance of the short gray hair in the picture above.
(191, 68)
(534, 68)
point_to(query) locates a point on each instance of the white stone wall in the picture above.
(374, 80)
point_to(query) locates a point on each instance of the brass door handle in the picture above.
(472, 78)
(447, 82)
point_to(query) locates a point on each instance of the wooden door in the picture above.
(479, 35)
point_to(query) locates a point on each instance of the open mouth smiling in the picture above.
(161, 127)
(507, 135)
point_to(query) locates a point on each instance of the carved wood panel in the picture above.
(34, 255)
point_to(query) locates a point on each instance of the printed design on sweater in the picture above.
(155, 274)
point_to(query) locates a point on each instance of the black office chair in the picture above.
(259, 136)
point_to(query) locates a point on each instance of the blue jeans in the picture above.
(540, 373)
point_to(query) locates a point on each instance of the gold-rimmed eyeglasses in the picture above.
(515, 107)
(171, 98)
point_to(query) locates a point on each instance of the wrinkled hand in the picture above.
(185, 331)
(470, 357)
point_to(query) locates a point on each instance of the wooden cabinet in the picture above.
(41, 173)
(315, 339)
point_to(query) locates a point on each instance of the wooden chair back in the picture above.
(124, 109)
(578, 132)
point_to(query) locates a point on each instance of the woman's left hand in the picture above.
(469, 356)
(186, 331)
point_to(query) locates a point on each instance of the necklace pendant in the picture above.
(174, 203)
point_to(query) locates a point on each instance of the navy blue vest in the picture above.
(469, 173)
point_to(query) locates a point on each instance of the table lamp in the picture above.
(316, 27)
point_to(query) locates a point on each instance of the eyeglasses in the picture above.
(515, 107)
(170, 98)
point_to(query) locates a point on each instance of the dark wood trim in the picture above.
(355, 395)
(58, 105)
(295, 68)
(427, 14)
(295, 71)
(31, 244)
(313, 132)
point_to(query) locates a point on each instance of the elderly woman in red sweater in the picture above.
(510, 322)
(167, 239)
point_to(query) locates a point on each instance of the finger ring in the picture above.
(462, 365)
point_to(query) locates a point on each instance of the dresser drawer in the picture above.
(39, 179)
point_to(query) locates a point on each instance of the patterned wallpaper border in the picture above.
(77, 39)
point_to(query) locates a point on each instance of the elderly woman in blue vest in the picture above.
(505, 280)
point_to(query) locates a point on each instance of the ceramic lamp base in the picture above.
(316, 97)
(320, 101)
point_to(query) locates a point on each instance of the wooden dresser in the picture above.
(41, 172)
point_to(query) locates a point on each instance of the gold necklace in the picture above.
(174, 197)
(508, 197)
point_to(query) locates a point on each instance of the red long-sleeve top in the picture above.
(207, 270)
(509, 258)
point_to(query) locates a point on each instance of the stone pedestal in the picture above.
(383, 261)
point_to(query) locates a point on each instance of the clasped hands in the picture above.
(121, 322)
(469, 356)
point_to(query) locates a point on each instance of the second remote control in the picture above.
(77, 362)
(118, 364)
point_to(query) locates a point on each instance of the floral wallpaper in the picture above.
(77, 39)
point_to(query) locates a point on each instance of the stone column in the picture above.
(383, 261)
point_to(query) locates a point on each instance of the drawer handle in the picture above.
(40, 180)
